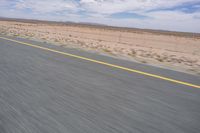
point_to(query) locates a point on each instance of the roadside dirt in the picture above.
(178, 52)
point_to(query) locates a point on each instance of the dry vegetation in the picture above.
(171, 49)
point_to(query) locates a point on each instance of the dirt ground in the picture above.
(175, 51)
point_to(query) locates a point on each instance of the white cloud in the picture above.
(98, 11)
(4, 3)
(47, 6)
(98, 6)
(116, 6)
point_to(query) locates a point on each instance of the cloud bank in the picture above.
(175, 15)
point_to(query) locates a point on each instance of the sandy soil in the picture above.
(180, 52)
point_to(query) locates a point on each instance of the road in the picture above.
(46, 92)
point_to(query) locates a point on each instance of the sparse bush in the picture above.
(160, 59)
(56, 40)
(106, 50)
(132, 53)
(143, 61)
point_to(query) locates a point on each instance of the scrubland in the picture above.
(179, 51)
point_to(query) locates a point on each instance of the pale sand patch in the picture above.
(171, 51)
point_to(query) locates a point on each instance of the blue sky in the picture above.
(175, 15)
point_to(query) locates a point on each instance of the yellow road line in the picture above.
(107, 64)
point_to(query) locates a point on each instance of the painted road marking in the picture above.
(106, 64)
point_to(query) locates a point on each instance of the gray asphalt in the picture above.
(44, 92)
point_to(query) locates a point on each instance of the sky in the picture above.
(172, 15)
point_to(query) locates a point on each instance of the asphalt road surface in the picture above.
(46, 92)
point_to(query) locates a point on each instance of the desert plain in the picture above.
(173, 50)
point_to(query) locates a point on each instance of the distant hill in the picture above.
(97, 25)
